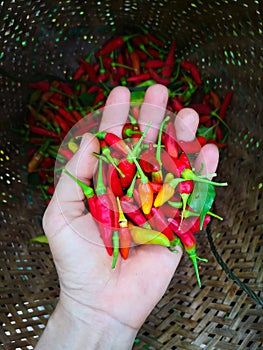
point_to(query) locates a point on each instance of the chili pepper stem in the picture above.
(116, 245)
(215, 215)
(184, 197)
(88, 191)
(100, 188)
(194, 259)
(116, 64)
(215, 114)
(129, 192)
(106, 153)
(144, 178)
(159, 142)
(133, 154)
(188, 174)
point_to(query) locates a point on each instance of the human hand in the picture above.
(118, 299)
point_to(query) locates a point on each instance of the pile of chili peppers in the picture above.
(136, 61)
(148, 193)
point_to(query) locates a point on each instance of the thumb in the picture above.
(68, 196)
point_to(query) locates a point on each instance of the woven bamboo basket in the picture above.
(224, 38)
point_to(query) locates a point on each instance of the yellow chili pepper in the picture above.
(142, 235)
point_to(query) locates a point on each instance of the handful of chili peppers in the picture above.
(135, 61)
(148, 193)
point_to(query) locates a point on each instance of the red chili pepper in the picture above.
(129, 130)
(77, 115)
(180, 164)
(224, 105)
(155, 40)
(67, 115)
(132, 211)
(189, 242)
(140, 40)
(66, 88)
(158, 79)
(66, 153)
(218, 144)
(113, 44)
(127, 165)
(42, 85)
(139, 78)
(219, 133)
(201, 140)
(154, 64)
(142, 55)
(79, 72)
(105, 215)
(204, 119)
(191, 67)
(185, 189)
(135, 59)
(47, 163)
(215, 99)
(171, 211)
(200, 108)
(152, 52)
(168, 163)
(169, 62)
(114, 181)
(64, 125)
(158, 222)
(129, 169)
(194, 223)
(113, 141)
(148, 161)
(44, 132)
(169, 140)
(190, 147)
(176, 104)
(114, 207)
(120, 69)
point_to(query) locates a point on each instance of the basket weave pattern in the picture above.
(224, 38)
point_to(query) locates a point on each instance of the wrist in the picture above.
(75, 327)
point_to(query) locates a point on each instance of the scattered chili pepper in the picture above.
(113, 44)
(224, 105)
(191, 67)
(215, 99)
(38, 157)
(135, 59)
(169, 61)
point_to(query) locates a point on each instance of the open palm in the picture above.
(129, 292)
